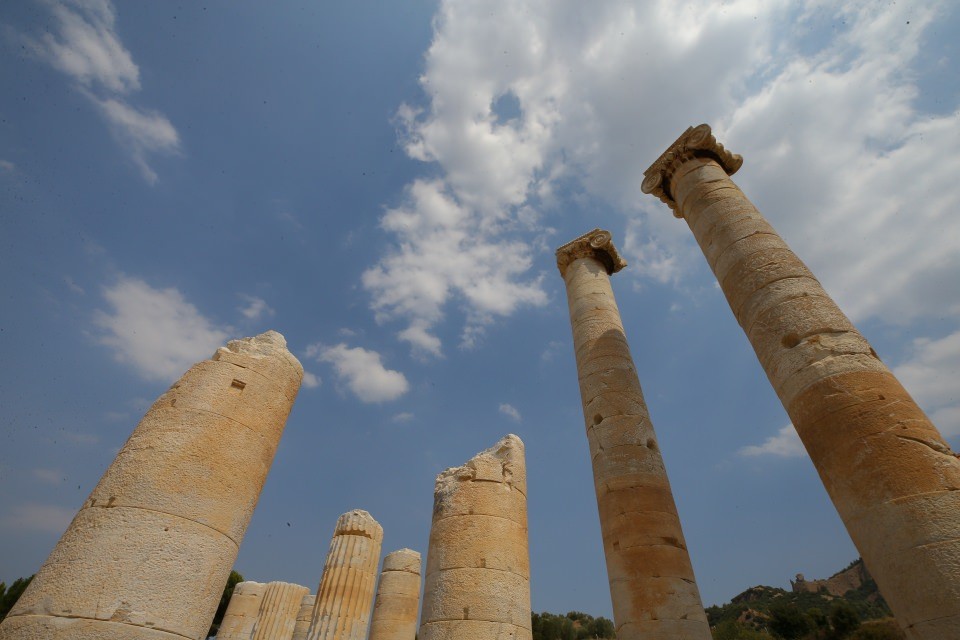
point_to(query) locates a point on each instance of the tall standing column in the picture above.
(398, 597)
(890, 474)
(242, 612)
(148, 554)
(477, 582)
(651, 579)
(304, 617)
(345, 594)
(278, 611)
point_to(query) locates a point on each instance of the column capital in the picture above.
(695, 142)
(596, 244)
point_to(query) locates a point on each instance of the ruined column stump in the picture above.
(651, 578)
(147, 555)
(242, 612)
(890, 474)
(477, 583)
(304, 617)
(345, 594)
(278, 611)
(398, 597)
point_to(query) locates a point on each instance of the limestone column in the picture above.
(242, 612)
(148, 554)
(304, 617)
(890, 474)
(278, 611)
(398, 597)
(345, 594)
(651, 579)
(477, 582)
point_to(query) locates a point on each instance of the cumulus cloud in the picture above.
(156, 331)
(310, 380)
(84, 45)
(510, 411)
(533, 107)
(930, 375)
(786, 444)
(362, 371)
(42, 518)
(255, 308)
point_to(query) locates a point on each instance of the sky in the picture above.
(386, 183)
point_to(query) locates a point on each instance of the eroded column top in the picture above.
(596, 244)
(695, 142)
(503, 462)
(358, 523)
(402, 560)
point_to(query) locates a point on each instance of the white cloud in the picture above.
(81, 438)
(838, 155)
(42, 518)
(47, 476)
(930, 374)
(255, 308)
(156, 331)
(85, 46)
(786, 444)
(402, 418)
(310, 380)
(511, 412)
(362, 371)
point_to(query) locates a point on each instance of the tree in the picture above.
(788, 622)
(234, 579)
(843, 620)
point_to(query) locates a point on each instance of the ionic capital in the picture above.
(695, 142)
(596, 244)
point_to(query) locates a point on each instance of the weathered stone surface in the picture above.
(152, 546)
(477, 582)
(890, 474)
(398, 597)
(242, 612)
(278, 611)
(304, 616)
(345, 594)
(651, 579)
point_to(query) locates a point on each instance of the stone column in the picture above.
(477, 582)
(651, 579)
(242, 612)
(278, 611)
(890, 474)
(398, 597)
(304, 617)
(148, 554)
(345, 594)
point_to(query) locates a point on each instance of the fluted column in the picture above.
(651, 579)
(345, 594)
(889, 472)
(398, 597)
(278, 611)
(242, 612)
(477, 583)
(304, 616)
(148, 554)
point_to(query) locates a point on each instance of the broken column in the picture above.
(398, 597)
(147, 555)
(889, 472)
(477, 583)
(651, 578)
(242, 612)
(304, 616)
(345, 594)
(278, 611)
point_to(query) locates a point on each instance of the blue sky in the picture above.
(385, 183)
